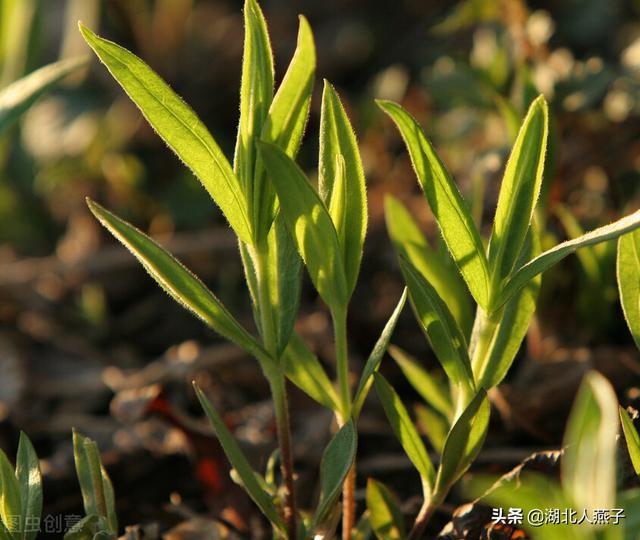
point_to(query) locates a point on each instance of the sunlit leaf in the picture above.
(178, 126)
(519, 192)
(338, 140)
(632, 439)
(554, 255)
(384, 509)
(30, 482)
(628, 270)
(447, 204)
(178, 282)
(589, 462)
(10, 500)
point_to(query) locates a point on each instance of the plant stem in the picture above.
(342, 369)
(278, 391)
(428, 508)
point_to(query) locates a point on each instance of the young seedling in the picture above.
(276, 215)
(503, 280)
(587, 492)
(20, 494)
(100, 521)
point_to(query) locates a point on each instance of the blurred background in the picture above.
(88, 341)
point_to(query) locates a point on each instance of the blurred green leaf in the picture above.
(304, 370)
(337, 459)
(337, 139)
(178, 282)
(373, 362)
(239, 462)
(433, 425)
(384, 509)
(30, 482)
(628, 270)
(16, 98)
(447, 204)
(310, 224)
(435, 392)
(589, 461)
(552, 256)
(440, 327)
(463, 442)
(178, 126)
(519, 193)
(91, 527)
(409, 240)
(632, 439)
(10, 500)
(406, 432)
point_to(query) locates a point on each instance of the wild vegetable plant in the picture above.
(588, 486)
(281, 222)
(100, 521)
(503, 281)
(20, 493)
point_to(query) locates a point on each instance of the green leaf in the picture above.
(406, 432)
(441, 329)
(336, 462)
(256, 93)
(507, 327)
(338, 140)
(434, 391)
(97, 491)
(447, 205)
(309, 222)
(16, 98)
(286, 120)
(589, 462)
(178, 126)
(628, 270)
(10, 500)
(304, 370)
(632, 438)
(519, 193)
(375, 358)
(386, 517)
(433, 425)
(91, 527)
(409, 240)
(30, 482)
(464, 441)
(239, 462)
(552, 256)
(179, 282)
(587, 257)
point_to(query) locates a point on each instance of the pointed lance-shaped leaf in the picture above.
(546, 260)
(441, 329)
(446, 202)
(310, 224)
(256, 93)
(375, 358)
(386, 518)
(589, 461)
(10, 500)
(30, 482)
(178, 282)
(286, 120)
(178, 126)
(628, 273)
(434, 265)
(16, 98)
(406, 433)
(338, 139)
(336, 462)
(519, 192)
(632, 439)
(239, 462)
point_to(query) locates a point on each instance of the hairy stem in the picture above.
(278, 391)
